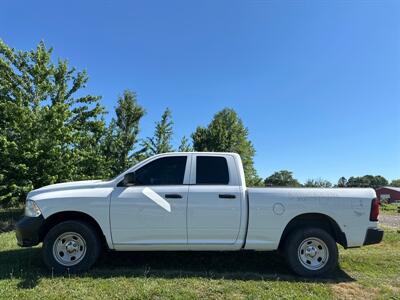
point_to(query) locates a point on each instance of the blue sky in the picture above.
(317, 83)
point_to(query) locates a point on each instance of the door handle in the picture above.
(227, 196)
(173, 196)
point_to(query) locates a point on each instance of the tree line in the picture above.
(285, 178)
(52, 131)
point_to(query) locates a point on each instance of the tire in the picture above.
(71, 246)
(311, 252)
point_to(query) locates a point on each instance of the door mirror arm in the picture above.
(129, 180)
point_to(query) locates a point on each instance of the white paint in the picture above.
(137, 220)
(266, 227)
(152, 195)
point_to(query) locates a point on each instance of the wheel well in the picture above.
(315, 220)
(59, 217)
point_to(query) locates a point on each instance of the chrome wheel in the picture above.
(313, 253)
(69, 248)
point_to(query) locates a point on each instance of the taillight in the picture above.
(374, 210)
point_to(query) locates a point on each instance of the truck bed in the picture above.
(271, 209)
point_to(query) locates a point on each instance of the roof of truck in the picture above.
(198, 152)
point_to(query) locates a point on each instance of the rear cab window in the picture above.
(212, 170)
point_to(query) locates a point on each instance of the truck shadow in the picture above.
(26, 265)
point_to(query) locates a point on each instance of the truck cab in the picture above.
(186, 201)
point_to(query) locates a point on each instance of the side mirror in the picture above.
(129, 179)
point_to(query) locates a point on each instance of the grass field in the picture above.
(365, 273)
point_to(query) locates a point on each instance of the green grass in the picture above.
(390, 209)
(368, 273)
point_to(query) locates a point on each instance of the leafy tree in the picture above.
(342, 182)
(48, 133)
(367, 181)
(226, 133)
(358, 182)
(185, 145)
(122, 134)
(202, 139)
(321, 183)
(282, 178)
(379, 181)
(395, 182)
(161, 141)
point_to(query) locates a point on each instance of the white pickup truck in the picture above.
(195, 201)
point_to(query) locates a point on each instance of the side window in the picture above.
(211, 170)
(162, 171)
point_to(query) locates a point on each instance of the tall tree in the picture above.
(320, 183)
(282, 178)
(378, 181)
(185, 145)
(342, 182)
(227, 133)
(161, 140)
(122, 134)
(48, 133)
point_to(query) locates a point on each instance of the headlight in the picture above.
(31, 209)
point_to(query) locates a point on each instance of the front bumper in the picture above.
(27, 231)
(373, 236)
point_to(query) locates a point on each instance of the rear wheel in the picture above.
(71, 246)
(311, 252)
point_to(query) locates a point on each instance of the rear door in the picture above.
(214, 201)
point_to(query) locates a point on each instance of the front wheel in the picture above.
(71, 246)
(311, 252)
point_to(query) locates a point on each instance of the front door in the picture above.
(153, 210)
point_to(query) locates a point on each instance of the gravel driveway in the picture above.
(390, 220)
